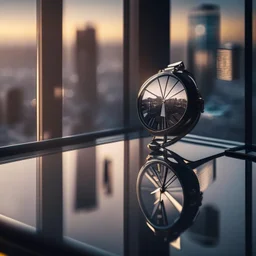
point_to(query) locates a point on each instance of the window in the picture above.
(92, 65)
(101, 50)
(17, 71)
(209, 38)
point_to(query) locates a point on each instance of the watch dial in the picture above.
(162, 103)
(160, 194)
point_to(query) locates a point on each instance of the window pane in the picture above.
(219, 228)
(93, 182)
(209, 38)
(92, 65)
(18, 191)
(17, 71)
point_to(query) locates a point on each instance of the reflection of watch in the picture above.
(169, 102)
(168, 190)
(168, 193)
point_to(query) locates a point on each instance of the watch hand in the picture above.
(171, 89)
(152, 93)
(166, 86)
(155, 172)
(152, 180)
(165, 220)
(167, 184)
(163, 110)
(156, 190)
(155, 210)
(160, 88)
(177, 93)
(176, 204)
(165, 176)
(157, 200)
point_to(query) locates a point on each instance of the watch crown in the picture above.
(177, 66)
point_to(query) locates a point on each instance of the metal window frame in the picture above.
(49, 69)
(49, 212)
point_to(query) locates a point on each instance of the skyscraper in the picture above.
(14, 106)
(203, 42)
(86, 68)
(86, 187)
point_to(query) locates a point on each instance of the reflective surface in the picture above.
(160, 194)
(162, 103)
(87, 197)
(18, 189)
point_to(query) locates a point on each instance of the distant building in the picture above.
(14, 106)
(228, 62)
(86, 68)
(203, 42)
(86, 188)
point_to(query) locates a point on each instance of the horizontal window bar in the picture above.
(7, 152)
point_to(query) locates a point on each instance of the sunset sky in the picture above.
(18, 19)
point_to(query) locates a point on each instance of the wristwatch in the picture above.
(169, 103)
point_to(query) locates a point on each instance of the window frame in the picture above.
(136, 44)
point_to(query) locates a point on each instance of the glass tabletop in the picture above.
(87, 197)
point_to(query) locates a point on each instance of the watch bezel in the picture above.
(192, 112)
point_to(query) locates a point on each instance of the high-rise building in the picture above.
(203, 42)
(86, 189)
(228, 62)
(86, 68)
(14, 106)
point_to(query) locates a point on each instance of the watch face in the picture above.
(160, 194)
(162, 103)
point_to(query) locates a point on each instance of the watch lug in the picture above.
(177, 66)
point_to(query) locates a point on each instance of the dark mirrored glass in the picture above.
(162, 207)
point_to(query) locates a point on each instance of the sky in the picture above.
(18, 19)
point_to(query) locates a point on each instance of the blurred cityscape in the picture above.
(93, 81)
(97, 86)
(218, 70)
